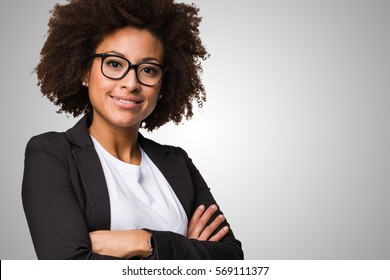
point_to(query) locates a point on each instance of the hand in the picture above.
(121, 243)
(198, 228)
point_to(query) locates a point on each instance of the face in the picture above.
(124, 103)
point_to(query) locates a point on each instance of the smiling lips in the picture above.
(127, 103)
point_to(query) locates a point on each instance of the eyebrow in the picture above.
(146, 59)
(116, 53)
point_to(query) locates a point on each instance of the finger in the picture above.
(199, 223)
(220, 234)
(202, 222)
(207, 215)
(195, 217)
(210, 229)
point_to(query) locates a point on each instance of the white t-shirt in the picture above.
(140, 196)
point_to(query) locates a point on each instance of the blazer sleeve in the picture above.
(169, 245)
(54, 215)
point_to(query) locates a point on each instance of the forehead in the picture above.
(132, 43)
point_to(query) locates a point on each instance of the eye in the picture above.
(149, 70)
(113, 63)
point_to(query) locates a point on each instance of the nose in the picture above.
(130, 81)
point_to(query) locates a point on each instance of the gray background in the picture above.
(294, 139)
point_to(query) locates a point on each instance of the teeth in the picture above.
(124, 101)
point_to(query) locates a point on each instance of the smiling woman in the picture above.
(101, 190)
(117, 96)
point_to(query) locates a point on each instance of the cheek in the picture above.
(153, 98)
(94, 72)
(154, 95)
(98, 84)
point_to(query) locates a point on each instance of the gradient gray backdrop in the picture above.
(294, 139)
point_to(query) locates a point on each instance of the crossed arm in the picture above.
(133, 243)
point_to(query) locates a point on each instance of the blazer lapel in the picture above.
(174, 169)
(92, 176)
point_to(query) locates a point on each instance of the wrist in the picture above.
(151, 247)
(146, 248)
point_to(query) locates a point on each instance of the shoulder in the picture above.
(46, 156)
(156, 151)
(51, 142)
(47, 138)
(151, 145)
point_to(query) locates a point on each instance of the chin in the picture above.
(127, 124)
(124, 123)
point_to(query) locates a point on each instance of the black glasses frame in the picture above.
(103, 56)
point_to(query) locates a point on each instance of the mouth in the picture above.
(127, 100)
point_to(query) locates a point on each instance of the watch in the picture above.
(151, 245)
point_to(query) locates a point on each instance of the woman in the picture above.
(101, 190)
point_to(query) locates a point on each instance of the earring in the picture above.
(85, 84)
(160, 97)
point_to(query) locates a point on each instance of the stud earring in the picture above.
(160, 97)
(85, 84)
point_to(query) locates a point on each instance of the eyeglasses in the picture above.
(116, 67)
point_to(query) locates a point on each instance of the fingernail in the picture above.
(215, 207)
(201, 207)
(221, 216)
(226, 228)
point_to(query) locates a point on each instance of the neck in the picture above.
(120, 142)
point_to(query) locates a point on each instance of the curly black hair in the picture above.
(77, 28)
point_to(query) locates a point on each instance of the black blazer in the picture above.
(65, 197)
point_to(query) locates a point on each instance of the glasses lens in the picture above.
(114, 67)
(149, 74)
